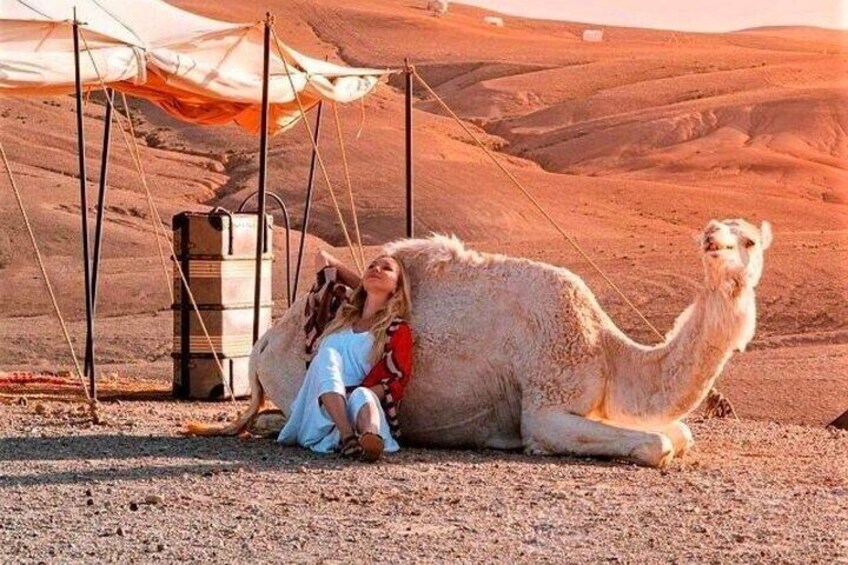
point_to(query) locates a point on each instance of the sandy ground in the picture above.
(135, 491)
(632, 145)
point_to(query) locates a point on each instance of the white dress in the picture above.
(341, 361)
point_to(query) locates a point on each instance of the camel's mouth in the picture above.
(713, 246)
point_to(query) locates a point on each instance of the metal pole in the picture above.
(308, 206)
(410, 215)
(98, 221)
(89, 315)
(263, 167)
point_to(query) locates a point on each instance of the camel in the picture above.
(512, 353)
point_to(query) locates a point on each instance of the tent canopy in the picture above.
(199, 70)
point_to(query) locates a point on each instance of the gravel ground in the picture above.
(135, 491)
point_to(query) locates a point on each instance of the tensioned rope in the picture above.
(92, 404)
(135, 155)
(151, 206)
(348, 181)
(320, 159)
(536, 203)
(716, 404)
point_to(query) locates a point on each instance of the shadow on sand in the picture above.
(144, 458)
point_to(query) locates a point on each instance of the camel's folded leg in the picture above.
(678, 432)
(550, 431)
(680, 436)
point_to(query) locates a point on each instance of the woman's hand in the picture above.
(324, 259)
(379, 391)
(345, 275)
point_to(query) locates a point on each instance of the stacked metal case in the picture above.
(217, 253)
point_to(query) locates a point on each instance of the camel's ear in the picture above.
(766, 235)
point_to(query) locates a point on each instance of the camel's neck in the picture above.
(668, 381)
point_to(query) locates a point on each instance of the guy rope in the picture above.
(535, 203)
(135, 154)
(91, 402)
(348, 181)
(716, 405)
(356, 260)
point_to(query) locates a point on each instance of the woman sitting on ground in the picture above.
(349, 397)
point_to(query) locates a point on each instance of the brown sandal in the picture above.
(350, 448)
(371, 446)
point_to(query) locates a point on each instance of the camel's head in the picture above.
(733, 253)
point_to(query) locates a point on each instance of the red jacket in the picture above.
(393, 371)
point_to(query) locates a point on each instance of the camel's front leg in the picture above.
(681, 436)
(678, 432)
(552, 431)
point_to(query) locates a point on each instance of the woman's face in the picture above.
(381, 276)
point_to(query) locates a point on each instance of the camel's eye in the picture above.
(749, 243)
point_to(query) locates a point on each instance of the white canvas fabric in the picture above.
(199, 69)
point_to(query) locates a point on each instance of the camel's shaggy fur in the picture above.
(515, 353)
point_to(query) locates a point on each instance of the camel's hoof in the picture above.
(534, 448)
(685, 448)
(656, 452)
(682, 439)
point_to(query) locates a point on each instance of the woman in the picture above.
(348, 399)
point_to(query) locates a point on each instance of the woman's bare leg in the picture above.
(368, 419)
(334, 404)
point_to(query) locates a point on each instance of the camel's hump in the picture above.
(438, 250)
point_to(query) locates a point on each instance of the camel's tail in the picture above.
(257, 398)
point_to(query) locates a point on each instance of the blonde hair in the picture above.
(399, 305)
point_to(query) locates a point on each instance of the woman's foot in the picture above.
(371, 446)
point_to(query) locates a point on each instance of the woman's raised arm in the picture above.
(346, 275)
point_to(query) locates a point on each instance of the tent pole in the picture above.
(89, 317)
(263, 167)
(310, 183)
(98, 225)
(409, 181)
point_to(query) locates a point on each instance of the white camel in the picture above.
(514, 353)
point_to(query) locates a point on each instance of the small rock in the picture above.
(89, 502)
(120, 531)
(40, 409)
(153, 499)
(22, 401)
(88, 492)
(133, 506)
